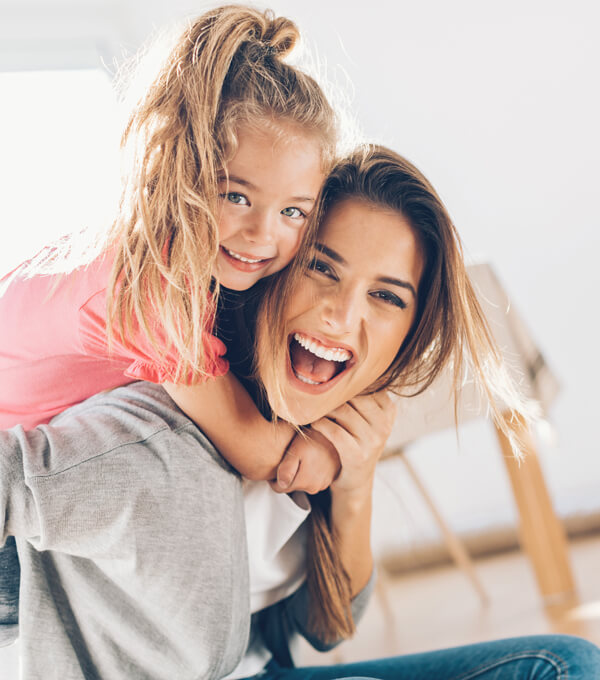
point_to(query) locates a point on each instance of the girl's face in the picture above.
(348, 318)
(266, 191)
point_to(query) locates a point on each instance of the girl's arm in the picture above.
(228, 416)
(359, 430)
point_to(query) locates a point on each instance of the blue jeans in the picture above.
(10, 576)
(536, 657)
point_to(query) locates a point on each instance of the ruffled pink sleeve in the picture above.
(143, 361)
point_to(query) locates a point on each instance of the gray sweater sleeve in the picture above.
(131, 537)
(19, 515)
(59, 485)
(283, 621)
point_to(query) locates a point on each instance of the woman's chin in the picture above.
(304, 402)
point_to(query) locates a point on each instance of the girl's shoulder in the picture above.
(46, 281)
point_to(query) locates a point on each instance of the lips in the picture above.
(244, 262)
(316, 363)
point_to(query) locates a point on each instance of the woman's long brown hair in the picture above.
(449, 330)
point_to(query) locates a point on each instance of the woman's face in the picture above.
(351, 312)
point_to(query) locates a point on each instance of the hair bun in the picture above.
(280, 35)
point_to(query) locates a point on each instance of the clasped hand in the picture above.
(339, 450)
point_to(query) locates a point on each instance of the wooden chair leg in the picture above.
(542, 534)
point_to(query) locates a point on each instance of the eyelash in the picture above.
(229, 194)
(326, 269)
(301, 214)
(385, 296)
(389, 298)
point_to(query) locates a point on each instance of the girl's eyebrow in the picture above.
(336, 257)
(247, 183)
(238, 180)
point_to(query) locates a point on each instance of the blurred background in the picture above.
(498, 103)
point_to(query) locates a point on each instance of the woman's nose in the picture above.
(341, 310)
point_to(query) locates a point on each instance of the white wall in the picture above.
(499, 104)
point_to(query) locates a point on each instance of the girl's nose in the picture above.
(261, 228)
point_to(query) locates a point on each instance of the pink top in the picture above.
(53, 350)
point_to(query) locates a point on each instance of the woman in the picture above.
(383, 303)
(131, 528)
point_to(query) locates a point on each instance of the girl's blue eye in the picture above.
(235, 198)
(389, 298)
(294, 213)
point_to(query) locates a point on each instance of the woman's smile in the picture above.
(348, 317)
(316, 361)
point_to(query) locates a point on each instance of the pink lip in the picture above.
(245, 266)
(323, 387)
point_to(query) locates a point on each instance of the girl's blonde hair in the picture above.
(226, 69)
(449, 330)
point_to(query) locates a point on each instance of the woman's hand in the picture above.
(309, 464)
(359, 430)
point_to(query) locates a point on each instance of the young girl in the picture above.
(229, 146)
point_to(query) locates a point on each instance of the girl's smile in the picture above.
(267, 191)
(244, 262)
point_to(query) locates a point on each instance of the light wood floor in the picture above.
(438, 608)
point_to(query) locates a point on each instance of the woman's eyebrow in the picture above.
(330, 253)
(384, 279)
(399, 282)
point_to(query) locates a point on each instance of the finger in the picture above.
(386, 402)
(305, 480)
(351, 417)
(339, 436)
(376, 409)
(275, 486)
(362, 407)
(288, 468)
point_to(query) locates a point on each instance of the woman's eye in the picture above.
(234, 197)
(390, 298)
(322, 267)
(294, 213)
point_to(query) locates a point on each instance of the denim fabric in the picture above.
(538, 657)
(10, 574)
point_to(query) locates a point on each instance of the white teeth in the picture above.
(329, 353)
(240, 257)
(308, 381)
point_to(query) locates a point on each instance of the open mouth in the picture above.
(314, 363)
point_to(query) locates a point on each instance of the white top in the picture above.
(277, 557)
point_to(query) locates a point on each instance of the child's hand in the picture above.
(359, 430)
(310, 464)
